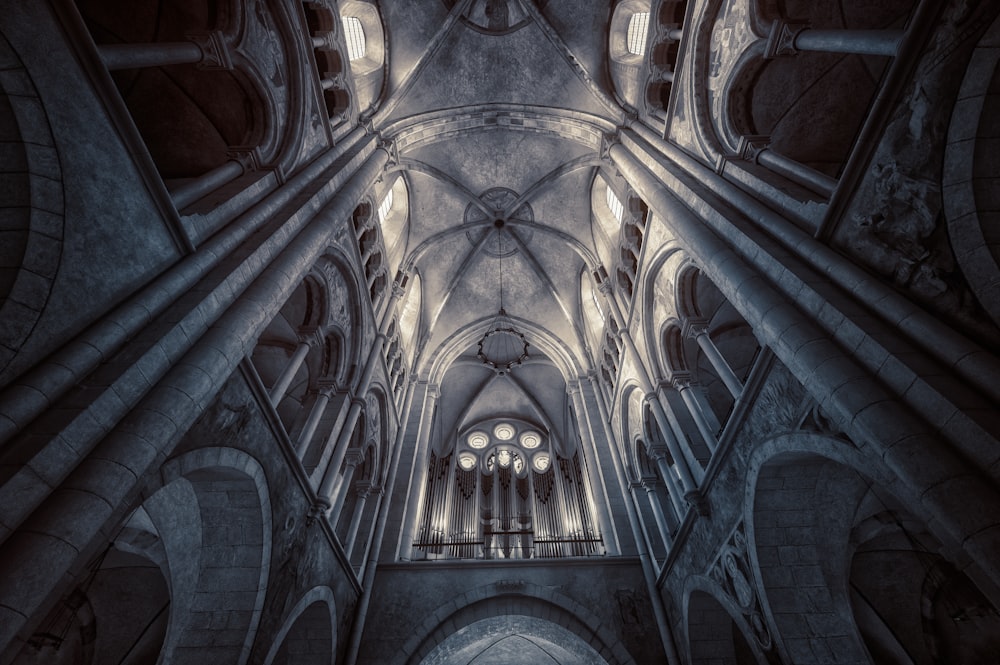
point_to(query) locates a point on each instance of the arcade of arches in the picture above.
(478, 332)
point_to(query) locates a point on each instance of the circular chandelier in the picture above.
(502, 346)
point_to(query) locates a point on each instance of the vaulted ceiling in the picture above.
(498, 110)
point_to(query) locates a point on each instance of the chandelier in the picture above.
(502, 346)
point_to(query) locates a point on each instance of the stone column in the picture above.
(323, 394)
(207, 50)
(54, 542)
(698, 330)
(307, 337)
(357, 404)
(418, 473)
(603, 516)
(661, 520)
(604, 286)
(683, 386)
(362, 490)
(659, 456)
(755, 149)
(352, 460)
(790, 38)
(883, 420)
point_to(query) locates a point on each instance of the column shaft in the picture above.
(352, 530)
(193, 190)
(76, 518)
(135, 56)
(719, 363)
(673, 444)
(670, 480)
(309, 429)
(277, 392)
(861, 42)
(797, 172)
(694, 408)
(661, 520)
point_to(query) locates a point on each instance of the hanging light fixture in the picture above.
(503, 346)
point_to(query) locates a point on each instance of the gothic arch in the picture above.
(226, 493)
(33, 226)
(514, 598)
(972, 177)
(714, 628)
(308, 635)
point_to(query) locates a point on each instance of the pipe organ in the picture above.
(500, 496)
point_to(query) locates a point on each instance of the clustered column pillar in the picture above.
(687, 479)
(329, 480)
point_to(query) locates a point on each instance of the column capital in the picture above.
(650, 484)
(781, 40)
(608, 140)
(693, 327)
(214, 50)
(326, 387)
(681, 381)
(572, 387)
(354, 457)
(309, 335)
(656, 451)
(247, 156)
(751, 145)
(366, 488)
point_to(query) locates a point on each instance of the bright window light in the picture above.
(504, 432)
(356, 37)
(478, 440)
(638, 26)
(385, 207)
(617, 209)
(531, 440)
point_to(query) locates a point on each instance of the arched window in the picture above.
(615, 205)
(385, 207)
(394, 220)
(638, 28)
(355, 35)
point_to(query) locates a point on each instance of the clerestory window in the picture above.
(355, 37)
(638, 26)
(385, 207)
(615, 205)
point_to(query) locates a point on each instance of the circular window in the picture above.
(467, 461)
(531, 440)
(541, 462)
(478, 439)
(504, 431)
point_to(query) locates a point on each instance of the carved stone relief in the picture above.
(895, 224)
